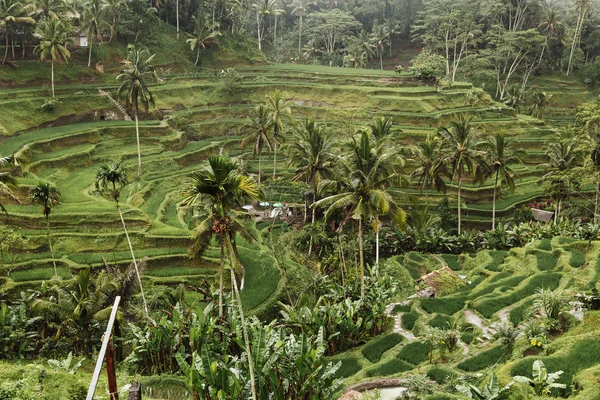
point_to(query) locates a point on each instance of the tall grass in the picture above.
(376, 347)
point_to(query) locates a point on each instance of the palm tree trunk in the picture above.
(494, 202)
(52, 77)
(579, 18)
(343, 258)
(556, 214)
(274, 160)
(377, 245)
(177, 16)
(597, 203)
(458, 195)
(259, 167)
(50, 246)
(137, 136)
(221, 273)
(361, 258)
(135, 265)
(310, 246)
(275, 33)
(381, 58)
(197, 55)
(300, 34)
(245, 334)
(5, 49)
(90, 51)
(258, 31)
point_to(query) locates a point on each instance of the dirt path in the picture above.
(474, 319)
(398, 322)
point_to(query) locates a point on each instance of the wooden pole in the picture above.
(105, 340)
(113, 392)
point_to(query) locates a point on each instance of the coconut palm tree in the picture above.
(366, 175)
(134, 87)
(218, 190)
(114, 6)
(429, 170)
(563, 155)
(7, 180)
(12, 12)
(460, 150)
(54, 36)
(380, 38)
(540, 100)
(258, 132)
(93, 20)
(53, 9)
(263, 8)
(300, 7)
(501, 152)
(362, 42)
(382, 127)
(204, 34)
(113, 177)
(551, 26)
(47, 195)
(312, 154)
(279, 110)
(584, 7)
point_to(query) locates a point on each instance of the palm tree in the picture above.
(583, 7)
(258, 132)
(276, 13)
(204, 34)
(382, 127)
(501, 153)
(563, 155)
(300, 7)
(114, 6)
(6, 181)
(54, 36)
(380, 38)
(47, 195)
(550, 26)
(366, 175)
(429, 170)
(53, 9)
(138, 69)
(460, 150)
(279, 109)
(364, 45)
(114, 175)
(540, 100)
(12, 11)
(312, 154)
(262, 8)
(218, 190)
(93, 18)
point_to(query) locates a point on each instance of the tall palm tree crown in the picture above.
(47, 195)
(54, 36)
(258, 132)
(429, 169)
(7, 180)
(279, 110)
(204, 34)
(134, 88)
(501, 153)
(112, 174)
(461, 150)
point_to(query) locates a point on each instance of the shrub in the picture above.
(467, 337)
(349, 367)
(414, 353)
(482, 360)
(390, 367)
(409, 319)
(375, 348)
(447, 305)
(440, 321)
(440, 375)
(577, 258)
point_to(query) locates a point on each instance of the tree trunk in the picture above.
(259, 167)
(197, 54)
(12, 45)
(275, 160)
(381, 58)
(377, 244)
(361, 258)
(494, 202)
(177, 17)
(597, 203)
(137, 136)
(50, 246)
(221, 275)
(300, 34)
(310, 246)
(113, 391)
(458, 195)
(275, 34)
(5, 49)
(90, 51)
(556, 215)
(52, 77)
(577, 27)
(245, 333)
(135, 265)
(258, 31)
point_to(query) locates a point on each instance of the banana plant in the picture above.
(543, 382)
(491, 391)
